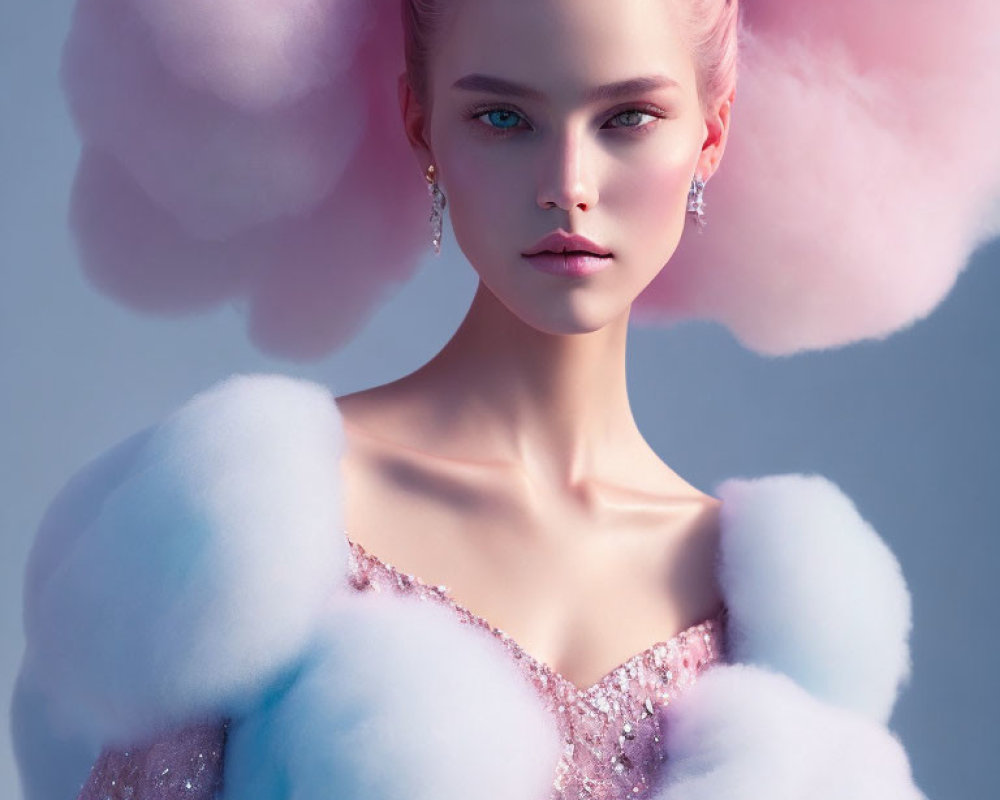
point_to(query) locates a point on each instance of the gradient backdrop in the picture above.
(906, 427)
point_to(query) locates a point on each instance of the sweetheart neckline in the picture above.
(444, 593)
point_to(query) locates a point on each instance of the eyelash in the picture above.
(476, 112)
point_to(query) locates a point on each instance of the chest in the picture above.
(611, 731)
(581, 592)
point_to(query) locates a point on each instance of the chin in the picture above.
(568, 315)
(556, 305)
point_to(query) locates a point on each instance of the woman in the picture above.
(191, 611)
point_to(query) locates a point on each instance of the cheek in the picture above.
(650, 198)
(485, 195)
(647, 200)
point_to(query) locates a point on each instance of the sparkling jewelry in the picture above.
(438, 203)
(696, 202)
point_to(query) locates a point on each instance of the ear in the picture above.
(415, 122)
(717, 126)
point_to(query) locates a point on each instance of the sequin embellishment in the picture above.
(185, 764)
(612, 730)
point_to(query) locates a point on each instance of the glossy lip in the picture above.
(562, 242)
(570, 265)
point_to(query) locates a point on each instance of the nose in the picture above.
(567, 178)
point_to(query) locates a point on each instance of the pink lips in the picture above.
(571, 255)
(572, 265)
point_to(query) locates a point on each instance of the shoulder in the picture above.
(188, 566)
(813, 591)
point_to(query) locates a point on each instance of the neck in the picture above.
(555, 405)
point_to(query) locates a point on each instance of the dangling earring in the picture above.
(438, 202)
(696, 202)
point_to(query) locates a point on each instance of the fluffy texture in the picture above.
(857, 180)
(398, 702)
(244, 151)
(189, 567)
(296, 45)
(197, 571)
(254, 152)
(813, 591)
(744, 733)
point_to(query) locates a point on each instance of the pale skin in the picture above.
(509, 467)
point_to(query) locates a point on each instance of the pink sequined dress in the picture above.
(611, 730)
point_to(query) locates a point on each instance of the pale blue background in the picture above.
(907, 427)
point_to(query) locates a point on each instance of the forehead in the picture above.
(563, 46)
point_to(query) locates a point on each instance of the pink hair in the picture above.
(254, 152)
(422, 21)
(710, 26)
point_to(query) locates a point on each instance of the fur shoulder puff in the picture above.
(813, 591)
(183, 571)
(817, 640)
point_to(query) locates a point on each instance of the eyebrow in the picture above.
(608, 91)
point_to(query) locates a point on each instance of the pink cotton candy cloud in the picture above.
(236, 158)
(257, 55)
(215, 166)
(860, 174)
(256, 151)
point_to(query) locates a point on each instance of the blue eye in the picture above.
(501, 118)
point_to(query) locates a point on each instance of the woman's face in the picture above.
(573, 115)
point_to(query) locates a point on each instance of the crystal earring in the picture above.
(438, 203)
(696, 202)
